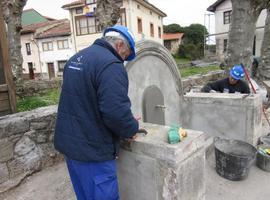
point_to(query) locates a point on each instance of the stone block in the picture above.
(39, 125)
(4, 175)
(13, 125)
(24, 146)
(153, 169)
(232, 116)
(6, 150)
(28, 163)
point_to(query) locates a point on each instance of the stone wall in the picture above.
(34, 87)
(26, 145)
(200, 80)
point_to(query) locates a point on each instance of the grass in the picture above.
(51, 97)
(189, 71)
(181, 60)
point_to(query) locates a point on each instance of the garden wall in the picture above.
(34, 87)
(26, 145)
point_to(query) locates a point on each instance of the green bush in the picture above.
(51, 97)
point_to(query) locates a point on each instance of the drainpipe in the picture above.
(41, 73)
(129, 16)
(74, 31)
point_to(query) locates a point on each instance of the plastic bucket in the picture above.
(263, 160)
(233, 158)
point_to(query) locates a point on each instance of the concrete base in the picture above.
(152, 169)
(232, 116)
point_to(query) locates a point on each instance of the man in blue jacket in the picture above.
(94, 113)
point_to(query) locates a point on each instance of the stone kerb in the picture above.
(155, 67)
(26, 145)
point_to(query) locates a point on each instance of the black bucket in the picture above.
(233, 158)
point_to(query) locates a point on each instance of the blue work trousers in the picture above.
(94, 180)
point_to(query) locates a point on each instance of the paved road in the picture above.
(53, 184)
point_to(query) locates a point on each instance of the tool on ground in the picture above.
(254, 91)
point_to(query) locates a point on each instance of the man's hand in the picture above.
(132, 139)
(142, 130)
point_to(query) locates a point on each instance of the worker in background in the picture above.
(94, 113)
(231, 84)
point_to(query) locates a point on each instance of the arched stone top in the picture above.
(151, 48)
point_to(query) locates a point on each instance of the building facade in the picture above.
(143, 19)
(172, 41)
(223, 10)
(46, 47)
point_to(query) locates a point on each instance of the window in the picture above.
(122, 19)
(139, 23)
(227, 17)
(152, 30)
(87, 25)
(47, 46)
(151, 12)
(168, 44)
(138, 7)
(62, 44)
(90, 1)
(225, 44)
(159, 32)
(79, 10)
(61, 65)
(28, 49)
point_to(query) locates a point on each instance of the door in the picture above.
(51, 70)
(31, 71)
(153, 106)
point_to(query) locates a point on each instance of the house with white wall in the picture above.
(55, 48)
(172, 41)
(142, 18)
(46, 46)
(223, 10)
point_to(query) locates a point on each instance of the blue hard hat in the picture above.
(237, 72)
(128, 36)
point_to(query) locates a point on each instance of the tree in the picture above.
(173, 28)
(12, 13)
(193, 42)
(264, 68)
(107, 13)
(242, 30)
(195, 34)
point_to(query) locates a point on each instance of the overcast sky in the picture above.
(183, 12)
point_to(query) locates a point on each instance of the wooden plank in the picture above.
(3, 96)
(4, 105)
(5, 61)
(3, 88)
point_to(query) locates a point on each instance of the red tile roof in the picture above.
(50, 28)
(172, 36)
(61, 29)
(31, 28)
